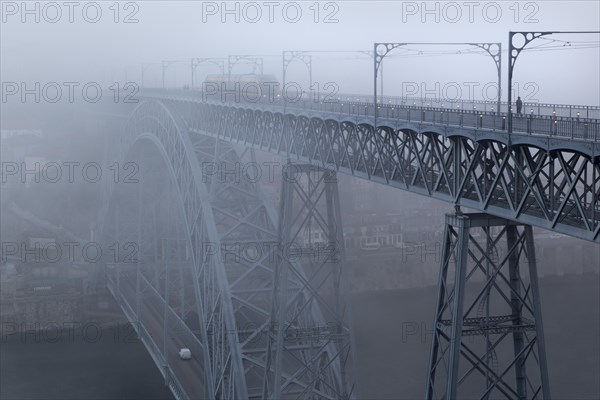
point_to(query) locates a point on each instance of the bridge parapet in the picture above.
(579, 111)
(549, 133)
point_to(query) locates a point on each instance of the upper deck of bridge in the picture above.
(551, 126)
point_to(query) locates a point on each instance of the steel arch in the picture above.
(151, 120)
(231, 364)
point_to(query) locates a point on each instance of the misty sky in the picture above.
(107, 52)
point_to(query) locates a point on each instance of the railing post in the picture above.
(573, 126)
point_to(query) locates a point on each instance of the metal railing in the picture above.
(575, 127)
(558, 110)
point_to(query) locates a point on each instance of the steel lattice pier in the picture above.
(488, 339)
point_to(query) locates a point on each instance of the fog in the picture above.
(77, 181)
(152, 31)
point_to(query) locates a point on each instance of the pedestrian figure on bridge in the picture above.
(519, 105)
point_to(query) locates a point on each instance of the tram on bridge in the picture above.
(247, 87)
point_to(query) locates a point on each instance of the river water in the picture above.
(392, 331)
(79, 364)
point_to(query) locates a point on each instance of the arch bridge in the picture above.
(263, 324)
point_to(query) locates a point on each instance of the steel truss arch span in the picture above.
(152, 121)
(231, 299)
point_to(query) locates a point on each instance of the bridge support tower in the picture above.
(488, 339)
(310, 231)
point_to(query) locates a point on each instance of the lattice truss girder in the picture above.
(192, 228)
(488, 337)
(558, 190)
(311, 232)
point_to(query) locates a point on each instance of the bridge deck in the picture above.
(545, 173)
(545, 131)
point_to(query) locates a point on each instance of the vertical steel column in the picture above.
(336, 243)
(375, 68)
(537, 308)
(318, 351)
(280, 288)
(462, 245)
(456, 167)
(440, 303)
(512, 311)
(515, 295)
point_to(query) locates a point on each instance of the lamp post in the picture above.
(381, 50)
(513, 54)
(195, 62)
(305, 57)
(289, 56)
(255, 60)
